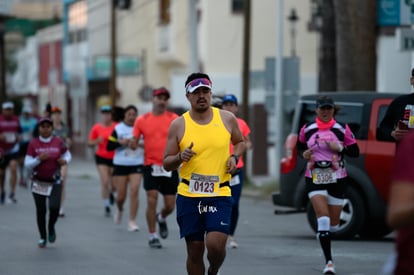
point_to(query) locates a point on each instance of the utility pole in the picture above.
(246, 59)
(112, 81)
(279, 87)
(246, 67)
(194, 65)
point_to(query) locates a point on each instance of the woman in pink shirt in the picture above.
(324, 144)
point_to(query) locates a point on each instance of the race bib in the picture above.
(159, 171)
(235, 180)
(42, 188)
(131, 153)
(204, 185)
(323, 176)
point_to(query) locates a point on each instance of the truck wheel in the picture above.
(352, 216)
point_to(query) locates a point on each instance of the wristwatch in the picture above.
(236, 157)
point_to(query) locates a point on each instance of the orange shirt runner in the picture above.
(154, 129)
(245, 130)
(99, 130)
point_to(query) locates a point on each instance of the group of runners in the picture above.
(131, 150)
(194, 161)
(38, 148)
(156, 147)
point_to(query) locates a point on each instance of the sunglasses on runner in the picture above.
(197, 83)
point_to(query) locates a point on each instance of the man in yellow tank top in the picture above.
(199, 142)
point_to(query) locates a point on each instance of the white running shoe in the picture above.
(133, 227)
(329, 268)
(233, 243)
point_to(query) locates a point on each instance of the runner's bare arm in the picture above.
(248, 142)
(172, 154)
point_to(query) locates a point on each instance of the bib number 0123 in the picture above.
(202, 187)
(203, 184)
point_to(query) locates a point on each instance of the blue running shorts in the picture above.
(197, 216)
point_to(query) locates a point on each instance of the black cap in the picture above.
(324, 101)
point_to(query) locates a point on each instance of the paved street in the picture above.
(89, 243)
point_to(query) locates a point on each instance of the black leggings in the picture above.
(54, 205)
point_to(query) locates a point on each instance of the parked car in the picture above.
(364, 209)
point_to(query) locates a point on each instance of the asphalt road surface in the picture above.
(90, 243)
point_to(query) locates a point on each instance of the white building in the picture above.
(154, 49)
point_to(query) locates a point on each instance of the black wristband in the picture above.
(236, 157)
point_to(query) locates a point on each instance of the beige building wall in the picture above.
(164, 50)
(221, 35)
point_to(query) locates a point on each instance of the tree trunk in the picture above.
(356, 35)
(327, 49)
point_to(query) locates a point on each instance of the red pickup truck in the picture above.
(364, 209)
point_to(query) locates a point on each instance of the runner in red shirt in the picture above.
(98, 136)
(153, 127)
(401, 205)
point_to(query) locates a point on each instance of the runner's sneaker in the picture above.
(329, 268)
(52, 236)
(154, 243)
(133, 227)
(41, 243)
(12, 198)
(61, 213)
(107, 211)
(163, 228)
(233, 243)
(2, 197)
